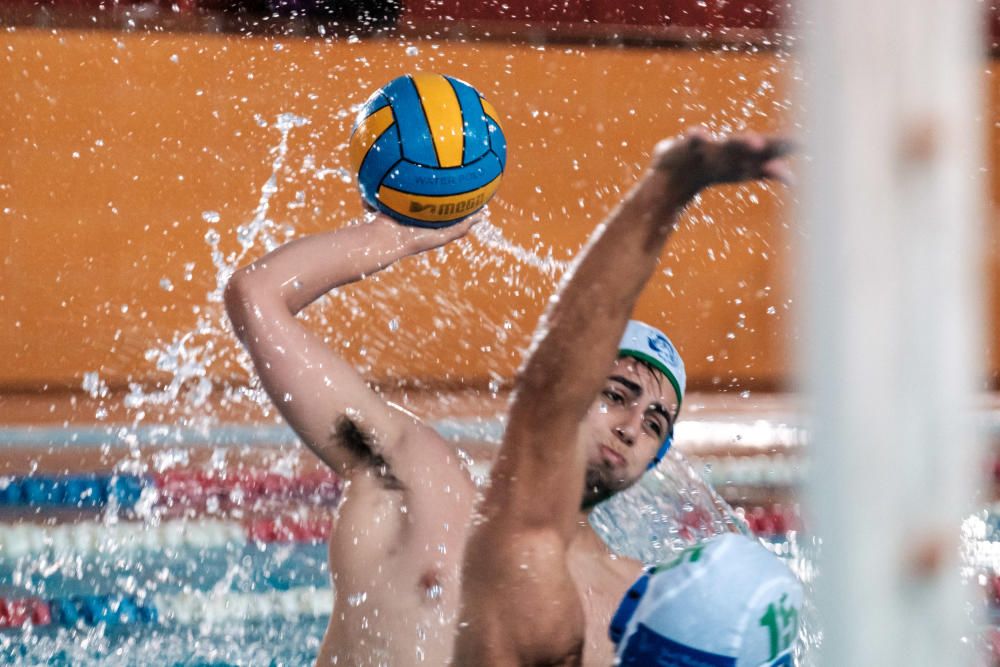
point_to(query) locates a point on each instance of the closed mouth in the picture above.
(611, 456)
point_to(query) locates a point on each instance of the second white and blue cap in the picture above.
(727, 602)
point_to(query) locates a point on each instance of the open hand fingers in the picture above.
(777, 147)
(778, 170)
(754, 156)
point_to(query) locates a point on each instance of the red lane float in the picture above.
(286, 531)
(772, 521)
(195, 488)
(18, 613)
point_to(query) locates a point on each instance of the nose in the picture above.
(628, 428)
(623, 435)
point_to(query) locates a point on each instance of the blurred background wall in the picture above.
(138, 139)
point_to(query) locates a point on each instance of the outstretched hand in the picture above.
(698, 160)
(419, 239)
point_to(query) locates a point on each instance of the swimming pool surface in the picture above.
(219, 564)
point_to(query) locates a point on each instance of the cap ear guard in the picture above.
(662, 451)
(627, 607)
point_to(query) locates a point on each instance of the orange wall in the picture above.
(117, 143)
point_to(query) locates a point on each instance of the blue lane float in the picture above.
(91, 610)
(79, 491)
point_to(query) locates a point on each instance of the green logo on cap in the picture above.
(782, 623)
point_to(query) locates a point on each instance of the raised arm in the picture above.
(519, 603)
(577, 337)
(323, 398)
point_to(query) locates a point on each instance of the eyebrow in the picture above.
(660, 410)
(636, 389)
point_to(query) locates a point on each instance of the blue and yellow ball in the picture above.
(428, 150)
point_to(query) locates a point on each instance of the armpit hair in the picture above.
(347, 434)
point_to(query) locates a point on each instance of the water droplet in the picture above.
(393, 325)
(412, 51)
(211, 217)
(357, 599)
(166, 285)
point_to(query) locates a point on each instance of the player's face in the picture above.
(624, 428)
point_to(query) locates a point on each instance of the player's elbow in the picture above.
(238, 297)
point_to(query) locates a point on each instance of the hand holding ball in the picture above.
(428, 150)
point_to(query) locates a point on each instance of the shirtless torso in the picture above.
(398, 604)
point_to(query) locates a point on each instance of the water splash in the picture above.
(670, 509)
(261, 226)
(187, 358)
(492, 237)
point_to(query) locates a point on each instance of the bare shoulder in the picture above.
(421, 503)
(411, 519)
(435, 470)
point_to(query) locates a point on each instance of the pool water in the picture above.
(195, 567)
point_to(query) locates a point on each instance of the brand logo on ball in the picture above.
(660, 344)
(450, 208)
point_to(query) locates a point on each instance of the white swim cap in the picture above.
(727, 602)
(645, 343)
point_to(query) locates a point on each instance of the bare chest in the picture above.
(601, 587)
(396, 600)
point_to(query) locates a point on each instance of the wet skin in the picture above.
(618, 437)
(397, 549)
(523, 602)
(399, 606)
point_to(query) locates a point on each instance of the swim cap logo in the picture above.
(659, 343)
(782, 623)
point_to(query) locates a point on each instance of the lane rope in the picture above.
(187, 608)
(23, 540)
(176, 488)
